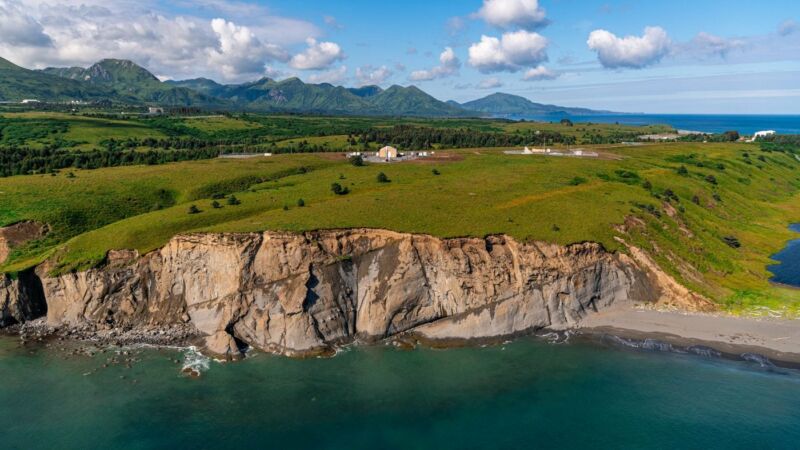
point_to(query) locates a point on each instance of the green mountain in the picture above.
(126, 82)
(508, 105)
(17, 83)
(293, 95)
(132, 83)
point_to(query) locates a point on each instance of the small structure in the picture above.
(29, 100)
(387, 153)
(764, 133)
(153, 111)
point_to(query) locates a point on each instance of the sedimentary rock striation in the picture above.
(305, 293)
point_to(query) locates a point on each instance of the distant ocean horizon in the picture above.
(707, 123)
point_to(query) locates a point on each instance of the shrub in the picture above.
(193, 209)
(285, 207)
(711, 179)
(337, 189)
(647, 185)
(218, 196)
(70, 175)
(732, 241)
(696, 200)
(382, 178)
(683, 171)
(301, 202)
(435, 172)
(357, 160)
(232, 200)
(717, 197)
(215, 204)
(577, 181)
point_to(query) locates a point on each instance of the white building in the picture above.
(763, 134)
(154, 110)
(387, 152)
(29, 100)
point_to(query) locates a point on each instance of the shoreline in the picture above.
(777, 339)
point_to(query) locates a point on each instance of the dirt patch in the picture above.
(18, 234)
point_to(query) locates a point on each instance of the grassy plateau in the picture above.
(710, 214)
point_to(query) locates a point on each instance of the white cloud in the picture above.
(709, 44)
(368, 75)
(448, 65)
(490, 83)
(539, 73)
(512, 13)
(20, 29)
(630, 51)
(333, 76)
(240, 51)
(318, 55)
(511, 53)
(81, 32)
(788, 27)
(332, 23)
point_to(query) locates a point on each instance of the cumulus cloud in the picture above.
(540, 73)
(512, 13)
(333, 76)
(490, 83)
(41, 33)
(448, 65)
(368, 75)
(19, 28)
(511, 53)
(630, 51)
(240, 51)
(788, 27)
(709, 44)
(318, 55)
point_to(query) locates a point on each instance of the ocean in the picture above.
(525, 394)
(719, 123)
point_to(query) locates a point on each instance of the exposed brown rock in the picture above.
(18, 234)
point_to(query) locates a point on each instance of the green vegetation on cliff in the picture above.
(710, 214)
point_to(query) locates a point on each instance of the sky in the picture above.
(677, 56)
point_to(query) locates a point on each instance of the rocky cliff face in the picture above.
(303, 293)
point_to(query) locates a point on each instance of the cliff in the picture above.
(305, 293)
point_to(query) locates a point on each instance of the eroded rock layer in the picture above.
(303, 293)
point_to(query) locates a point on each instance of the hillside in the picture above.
(17, 83)
(132, 83)
(508, 105)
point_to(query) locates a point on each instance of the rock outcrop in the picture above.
(18, 234)
(304, 293)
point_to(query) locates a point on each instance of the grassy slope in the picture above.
(483, 192)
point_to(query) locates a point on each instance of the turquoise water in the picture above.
(787, 271)
(719, 123)
(524, 394)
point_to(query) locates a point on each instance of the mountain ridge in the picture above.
(126, 82)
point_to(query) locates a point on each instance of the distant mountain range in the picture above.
(125, 82)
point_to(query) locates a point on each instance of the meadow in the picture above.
(711, 214)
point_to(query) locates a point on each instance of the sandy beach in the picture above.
(778, 339)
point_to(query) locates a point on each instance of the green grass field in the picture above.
(680, 217)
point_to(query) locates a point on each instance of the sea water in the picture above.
(525, 394)
(787, 270)
(719, 123)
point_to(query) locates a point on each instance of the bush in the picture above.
(357, 160)
(577, 181)
(382, 178)
(711, 179)
(436, 172)
(285, 207)
(193, 209)
(337, 189)
(696, 200)
(647, 185)
(215, 204)
(301, 202)
(232, 200)
(732, 241)
(683, 171)
(218, 196)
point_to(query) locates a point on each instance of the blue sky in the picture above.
(702, 56)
